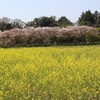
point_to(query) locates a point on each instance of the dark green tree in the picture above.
(52, 21)
(96, 14)
(97, 18)
(31, 23)
(87, 18)
(5, 26)
(82, 17)
(63, 22)
(43, 22)
(36, 22)
(2, 26)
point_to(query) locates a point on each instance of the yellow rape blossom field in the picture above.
(50, 73)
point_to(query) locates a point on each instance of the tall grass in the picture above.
(50, 73)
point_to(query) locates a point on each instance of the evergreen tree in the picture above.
(87, 18)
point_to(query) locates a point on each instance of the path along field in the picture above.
(50, 73)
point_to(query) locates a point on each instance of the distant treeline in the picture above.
(87, 18)
(46, 36)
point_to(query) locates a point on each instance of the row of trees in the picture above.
(50, 22)
(87, 18)
(7, 24)
(31, 36)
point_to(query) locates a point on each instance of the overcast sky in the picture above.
(27, 10)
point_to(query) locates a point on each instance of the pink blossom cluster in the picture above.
(46, 35)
